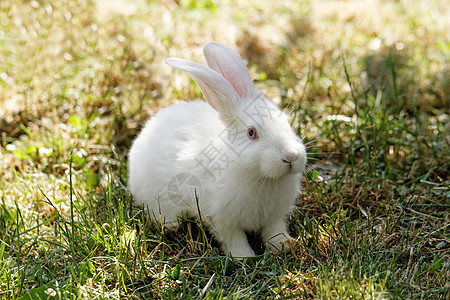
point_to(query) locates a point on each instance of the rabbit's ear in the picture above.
(217, 91)
(229, 63)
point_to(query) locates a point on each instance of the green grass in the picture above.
(368, 86)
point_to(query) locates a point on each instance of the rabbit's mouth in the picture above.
(288, 165)
(281, 170)
(277, 164)
(293, 168)
(293, 163)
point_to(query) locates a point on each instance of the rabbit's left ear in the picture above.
(218, 92)
(229, 63)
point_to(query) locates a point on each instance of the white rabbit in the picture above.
(234, 160)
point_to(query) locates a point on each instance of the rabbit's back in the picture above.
(167, 147)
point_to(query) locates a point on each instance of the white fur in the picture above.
(250, 186)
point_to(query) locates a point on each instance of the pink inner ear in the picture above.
(239, 78)
(237, 84)
(229, 63)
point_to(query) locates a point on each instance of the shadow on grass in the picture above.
(398, 78)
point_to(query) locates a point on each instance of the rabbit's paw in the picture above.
(279, 242)
(242, 252)
(172, 226)
(236, 244)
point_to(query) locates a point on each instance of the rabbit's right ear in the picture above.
(218, 92)
(229, 63)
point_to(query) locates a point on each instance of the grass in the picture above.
(368, 90)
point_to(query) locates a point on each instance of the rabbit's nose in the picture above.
(290, 157)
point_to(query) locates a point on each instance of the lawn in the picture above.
(367, 85)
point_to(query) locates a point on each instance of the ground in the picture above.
(367, 85)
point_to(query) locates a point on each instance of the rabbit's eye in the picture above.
(252, 133)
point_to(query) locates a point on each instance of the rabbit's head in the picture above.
(256, 130)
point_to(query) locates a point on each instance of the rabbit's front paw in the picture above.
(235, 243)
(241, 252)
(279, 242)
